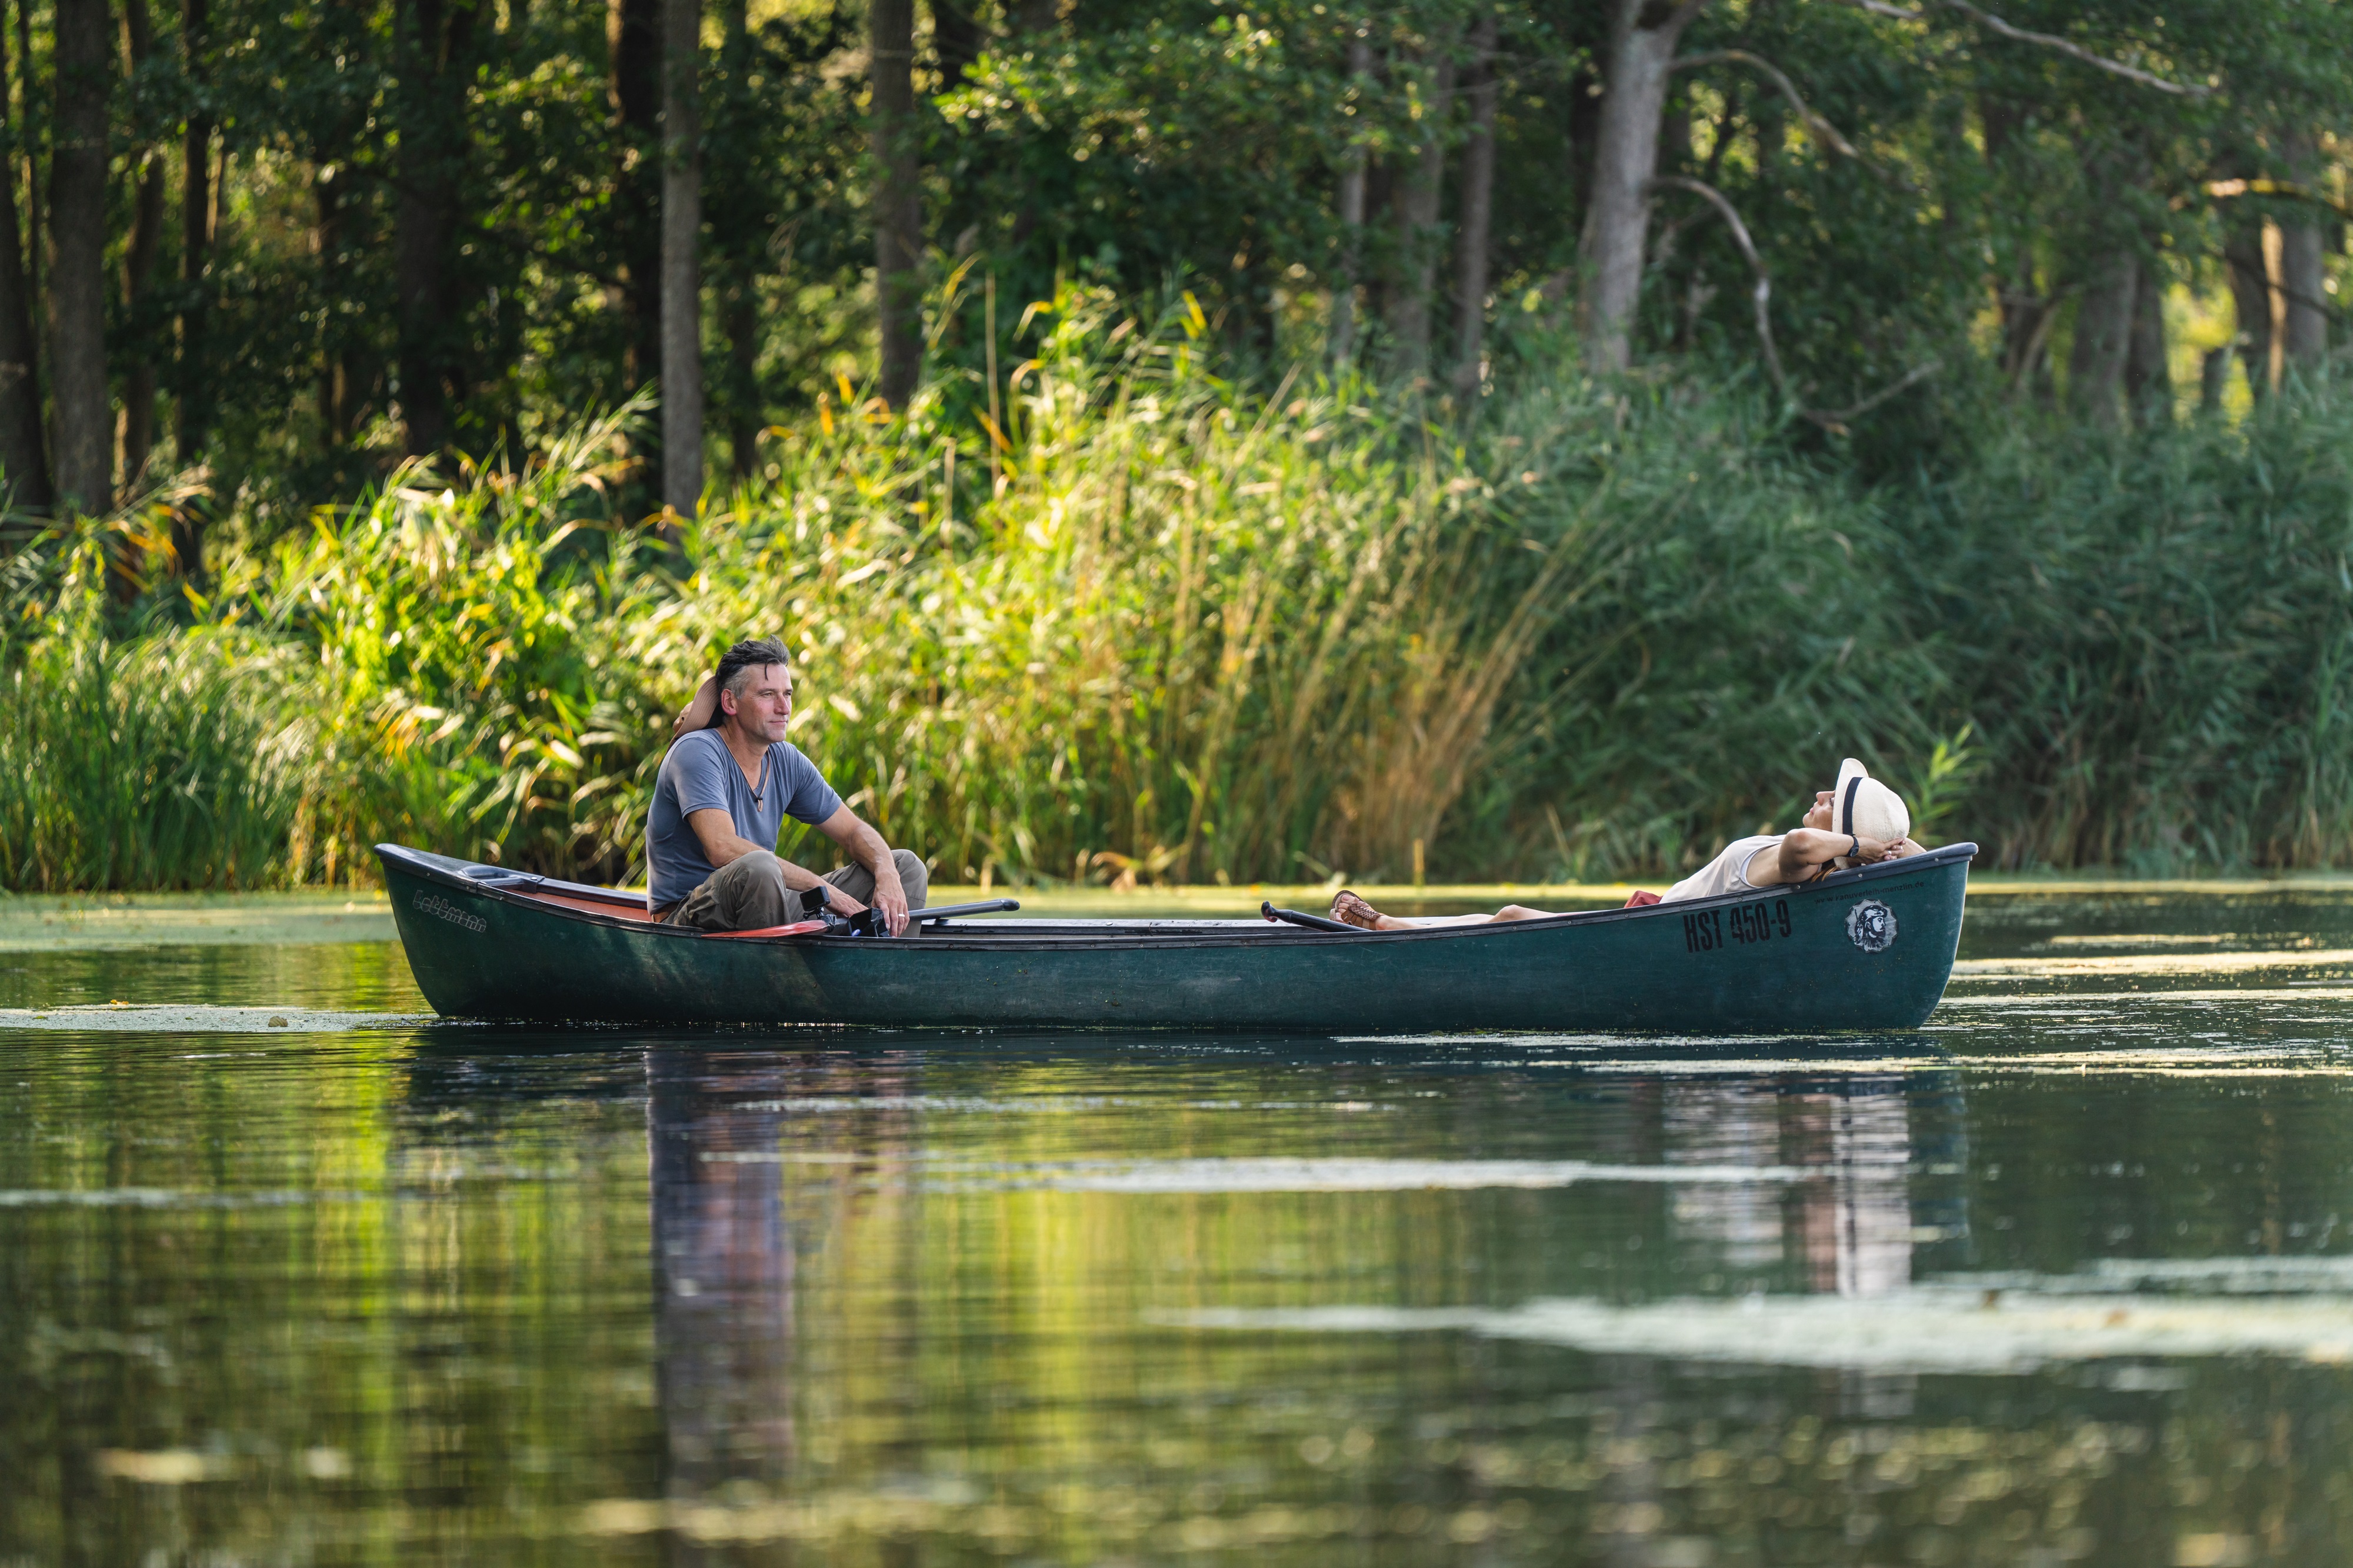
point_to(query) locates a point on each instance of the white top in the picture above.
(1728, 872)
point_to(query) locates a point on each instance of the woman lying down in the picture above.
(1858, 821)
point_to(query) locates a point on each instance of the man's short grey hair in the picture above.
(736, 664)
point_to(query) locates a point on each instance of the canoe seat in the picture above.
(633, 909)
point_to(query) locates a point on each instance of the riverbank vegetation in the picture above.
(1177, 628)
(1182, 442)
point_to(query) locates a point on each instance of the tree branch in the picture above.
(1677, 19)
(1917, 373)
(2330, 308)
(2224, 189)
(1789, 90)
(2001, 29)
(1762, 295)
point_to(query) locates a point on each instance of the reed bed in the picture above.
(2152, 634)
(154, 759)
(1143, 623)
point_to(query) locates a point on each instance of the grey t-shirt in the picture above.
(700, 775)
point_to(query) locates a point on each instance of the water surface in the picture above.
(2065, 1277)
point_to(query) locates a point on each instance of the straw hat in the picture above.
(1867, 808)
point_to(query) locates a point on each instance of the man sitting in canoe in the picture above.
(727, 784)
(1857, 821)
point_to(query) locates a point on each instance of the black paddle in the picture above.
(1313, 923)
(868, 920)
(986, 907)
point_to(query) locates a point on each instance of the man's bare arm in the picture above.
(696, 715)
(865, 846)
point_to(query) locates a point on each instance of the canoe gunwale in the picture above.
(512, 887)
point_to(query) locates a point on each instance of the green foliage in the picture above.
(1936, 787)
(1174, 629)
(168, 758)
(1145, 141)
(2149, 635)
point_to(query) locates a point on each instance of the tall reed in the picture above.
(166, 759)
(1151, 624)
(2153, 634)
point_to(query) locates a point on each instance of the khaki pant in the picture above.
(749, 893)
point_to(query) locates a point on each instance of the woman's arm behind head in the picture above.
(697, 713)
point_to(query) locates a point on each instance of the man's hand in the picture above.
(890, 898)
(863, 844)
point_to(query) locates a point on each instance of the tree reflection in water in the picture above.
(722, 1273)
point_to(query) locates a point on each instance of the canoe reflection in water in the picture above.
(1857, 1227)
(723, 1272)
(1849, 1231)
(1853, 1230)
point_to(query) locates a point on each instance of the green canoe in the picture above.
(1864, 949)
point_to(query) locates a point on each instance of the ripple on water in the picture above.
(133, 1018)
(1144, 1177)
(1930, 1329)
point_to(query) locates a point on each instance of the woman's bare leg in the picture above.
(1508, 912)
(1350, 909)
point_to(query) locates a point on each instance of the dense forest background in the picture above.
(1543, 435)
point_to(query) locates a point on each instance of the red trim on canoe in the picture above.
(798, 928)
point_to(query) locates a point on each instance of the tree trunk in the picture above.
(1626, 158)
(682, 264)
(1025, 19)
(2251, 297)
(2103, 338)
(2303, 278)
(139, 269)
(745, 244)
(83, 64)
(196, 249)
(2214, 377)
(1419, 197)
(432, 146)
(1584, 142)
(24, 455)
(1352, 212)
(1478, 211)
(633, 31)
(138, 280)
(35, 253)
(741, 323)
(2023, 307)
(2149, 377)
(336, 403)
(958, 35)
(898, 197)
(2303, 268)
